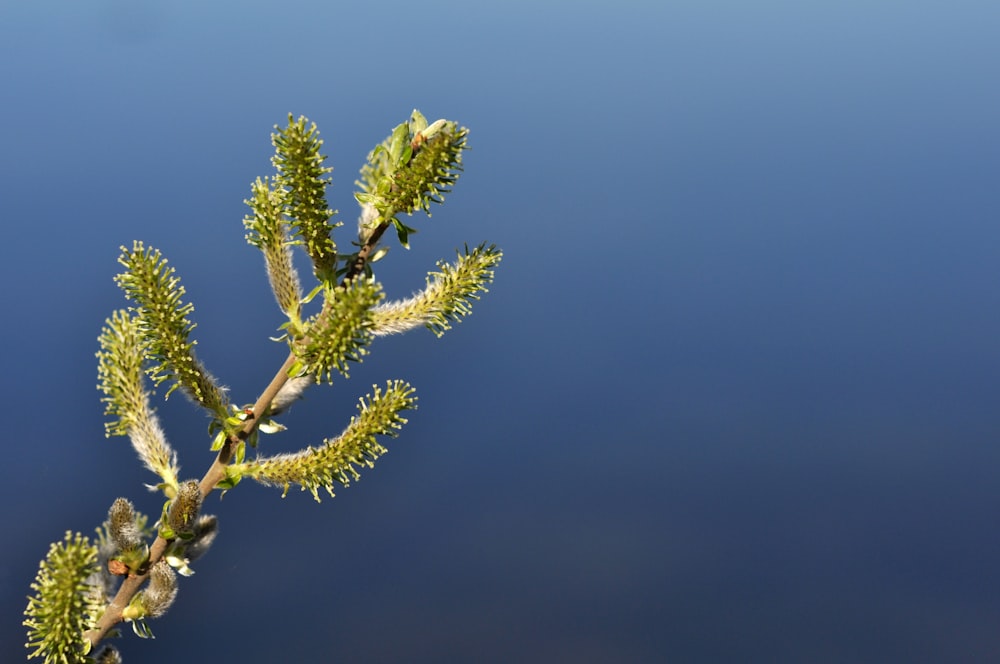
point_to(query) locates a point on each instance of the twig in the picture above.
(217, 471)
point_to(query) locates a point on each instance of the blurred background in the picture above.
(732, 396)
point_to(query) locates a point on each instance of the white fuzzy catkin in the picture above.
(290, 392)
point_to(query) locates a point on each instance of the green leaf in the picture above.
(402, 232)
(418, 123)
(219, 440)
(141, 629)
(398, 140)
(233, 476)
(312, 294)
(378, 254)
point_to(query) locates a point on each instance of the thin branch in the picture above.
(358, 266)
(217, 471)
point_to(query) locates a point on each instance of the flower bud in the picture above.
(182, 552)
(131, 552)
(184, 509)
(154, 600)
(122, 527)
(205, 530)
(161, 591)
(108, 655)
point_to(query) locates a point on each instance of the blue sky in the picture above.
(731, 398)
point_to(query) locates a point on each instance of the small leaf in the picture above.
(233, 476)
(312, 294)
(141, 629)
(398, 140)
(418, 122)
(271, 426)
(402, 233)
(219, 440)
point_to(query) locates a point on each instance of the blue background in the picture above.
(732, 397)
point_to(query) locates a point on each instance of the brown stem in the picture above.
(358, 266)
(217, 471)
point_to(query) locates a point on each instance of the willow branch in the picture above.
(217, 471)
(131, 585)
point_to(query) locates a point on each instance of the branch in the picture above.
(414, 167)
(217, 471)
